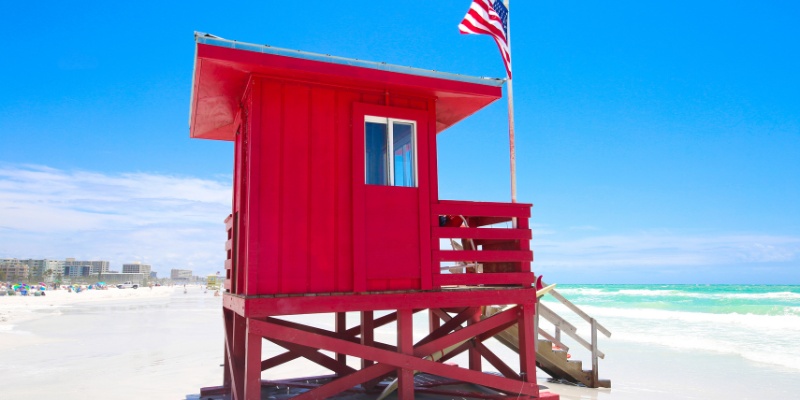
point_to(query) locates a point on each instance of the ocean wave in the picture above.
(789, 322)
(784, 295)
(584, 291)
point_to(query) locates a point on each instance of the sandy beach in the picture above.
(162, 343)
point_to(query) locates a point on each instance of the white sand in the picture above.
(16, 309)
(164, 344)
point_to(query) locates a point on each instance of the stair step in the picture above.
(546, 343)
(574, 365)
(561, 354)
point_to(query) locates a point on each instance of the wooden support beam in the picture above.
(315, 356)
(405, 345)
(282, 358)
(252, 368)
(433, 321)
(474, 355)
(340, 385)
(368, 339)
(395, 360)
(493, 359)
(341, 328)
(483, 233)
(238, 355)
(483, 255)
(496, 362)
(376, 323)
(451, 324)
(523, 279)
(226, 366)
(265, 306)
(527, 346)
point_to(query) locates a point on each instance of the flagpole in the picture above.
(511, 144)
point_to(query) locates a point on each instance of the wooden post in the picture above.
(527, 345)
(536, 325)
(433, 321)
(473, 354)
(405, 345)
(252, 368)
(594, 353)
(341, 327)
(367, 339)
(239, 337)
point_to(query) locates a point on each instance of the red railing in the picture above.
(493, 246)
(230, 255)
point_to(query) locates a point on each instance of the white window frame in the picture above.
(390, 138)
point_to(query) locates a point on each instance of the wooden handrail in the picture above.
(553, 339)
(558, 321)
(578, 311)
(481, 209)
(561, 325)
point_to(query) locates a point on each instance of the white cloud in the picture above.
(177, 222)
(167, 221)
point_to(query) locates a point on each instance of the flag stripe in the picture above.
(489, 17)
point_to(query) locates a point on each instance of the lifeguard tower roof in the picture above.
(223, 67)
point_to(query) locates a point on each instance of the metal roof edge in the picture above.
(191, 94)
(209, 39)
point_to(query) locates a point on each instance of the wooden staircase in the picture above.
(551, 353)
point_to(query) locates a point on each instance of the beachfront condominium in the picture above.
(180, 274)
(12, 271)
(35, 269)
(136, 268)
(95, 267)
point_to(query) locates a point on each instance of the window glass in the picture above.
(403, 154)
(377, 153)
(390, 158)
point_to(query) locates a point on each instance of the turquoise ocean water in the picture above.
(755, 322)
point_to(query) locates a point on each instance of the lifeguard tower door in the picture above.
(391, 198)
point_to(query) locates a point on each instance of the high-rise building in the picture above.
(180, 274)
(136, 268)
(11, 269)
(36, 269)
(77, 270)
(95, 267)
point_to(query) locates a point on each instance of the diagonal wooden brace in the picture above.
(390, 360)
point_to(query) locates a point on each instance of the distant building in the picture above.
(37, 269)
(11, 269)
(153, 274)
(136, 268)
(75, 271)
(95, 267)
(180, 274)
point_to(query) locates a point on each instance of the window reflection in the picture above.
(390, 152)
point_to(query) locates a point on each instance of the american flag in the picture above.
(489, 17)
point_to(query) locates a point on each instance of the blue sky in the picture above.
(657, 142)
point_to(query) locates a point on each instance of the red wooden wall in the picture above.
(304, 220)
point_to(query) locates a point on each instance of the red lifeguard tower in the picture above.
(336, 209)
